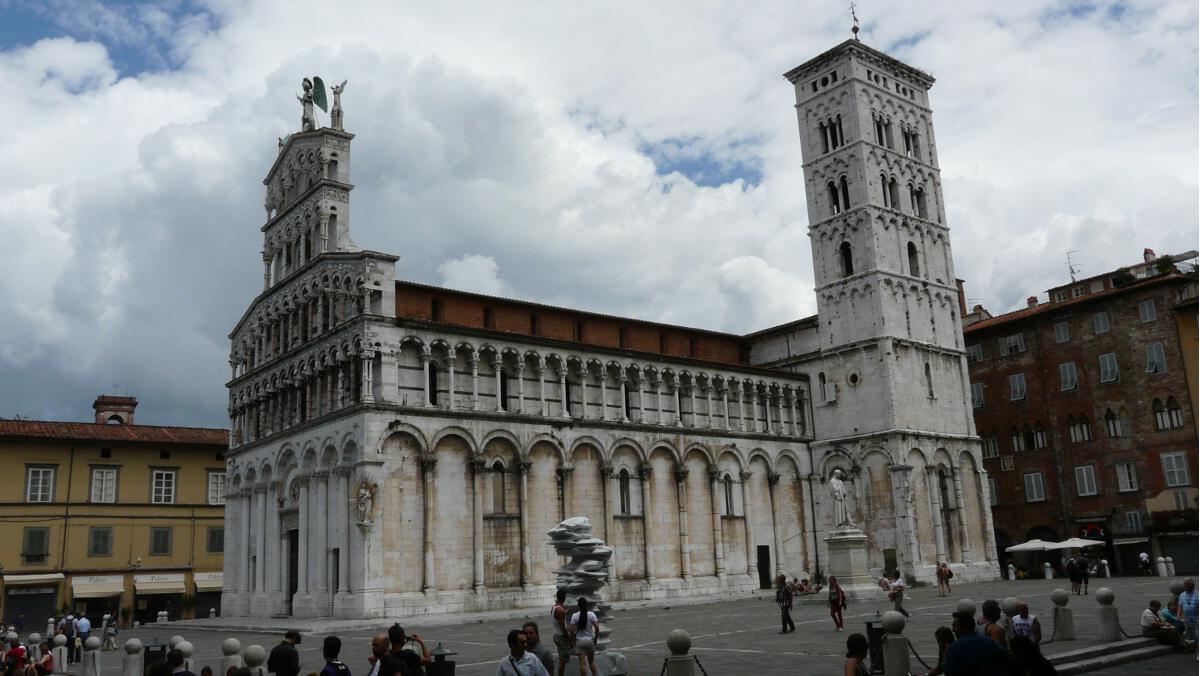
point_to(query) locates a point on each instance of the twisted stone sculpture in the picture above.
(586, 571)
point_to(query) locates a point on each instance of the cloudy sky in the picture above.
(632, 158)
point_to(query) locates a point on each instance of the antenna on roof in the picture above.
(854, 29)
(1071, 267)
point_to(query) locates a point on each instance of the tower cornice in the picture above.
(852, 46)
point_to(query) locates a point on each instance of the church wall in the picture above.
(700, 510)
(792, 519)
(587, 489)
(544, 511)
(922, 516)
(972, 503)
(761, 522)
(402, 495)
(663, 520)
(501, 529)
(453, 495)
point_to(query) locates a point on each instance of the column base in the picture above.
(234, 604)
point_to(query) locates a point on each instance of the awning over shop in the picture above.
(207, 582)
(169, 583)
(33, 579)
(1129, 541)
(97, 586)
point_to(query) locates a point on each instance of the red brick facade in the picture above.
(1099, 446)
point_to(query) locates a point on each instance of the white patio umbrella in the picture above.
(1034, 545)
(1076, 543)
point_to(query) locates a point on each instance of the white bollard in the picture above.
(174, 642)
(680, 663)
(35, 648)
(1048, 570)
(1105, 571)
(161, 617)
(50, 624)
(212, 612)
(1170, 567)
(1110, 625)
(185, 647)
(895, 645)
(59, 653)
(1012, 573)
(133, 661)
(91, 656)
(1160, 566)
(254, 656)
(230, 658)
(1064, 618)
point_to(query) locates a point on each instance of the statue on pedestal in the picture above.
(308, 120)
(335, 114)
(841, 505)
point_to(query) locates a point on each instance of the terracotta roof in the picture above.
(52, 429)
(1027, 312)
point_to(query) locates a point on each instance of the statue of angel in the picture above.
(308, 120)
(335, 114)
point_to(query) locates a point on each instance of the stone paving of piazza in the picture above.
(730, 637)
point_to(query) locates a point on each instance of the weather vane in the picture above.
(854, 28)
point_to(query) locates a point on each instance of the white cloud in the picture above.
(501, 152)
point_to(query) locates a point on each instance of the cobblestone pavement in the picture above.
(729, 637)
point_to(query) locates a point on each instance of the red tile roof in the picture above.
(51, 429)
(1026, 312)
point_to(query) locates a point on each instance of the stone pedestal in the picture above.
(848, 563)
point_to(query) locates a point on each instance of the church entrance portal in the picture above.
(764, 567)
(293, 569)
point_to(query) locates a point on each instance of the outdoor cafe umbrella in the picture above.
(1075, 543)
(1034, 545)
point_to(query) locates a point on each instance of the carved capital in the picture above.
(644, 471)
(606, 471)
(428, 462)
(681, 474)
(745, 476)
(773, 478)
(477, 464)
(714, 475)
(524, 467)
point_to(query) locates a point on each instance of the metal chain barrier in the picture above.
(914, 652)
(702, 670)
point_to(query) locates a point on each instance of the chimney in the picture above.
(1148, 255)
(1031, 301)
(113, 410)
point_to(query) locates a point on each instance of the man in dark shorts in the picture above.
(401, 661)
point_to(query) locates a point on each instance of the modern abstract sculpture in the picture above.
(585, 572)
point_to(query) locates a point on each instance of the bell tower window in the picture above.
(845, 194)
(847, 259)
(835, 206)
(914, 266)
(824, 137)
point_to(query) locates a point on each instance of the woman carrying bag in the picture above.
(837, 602)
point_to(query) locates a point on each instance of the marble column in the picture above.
(343, 516)
(725, 401)
(718, 546)
(341, 385)
(985, 508)
(708, 406)
(425, 359)
(451, 362)
(245, 506)
(935, 506)
(773, 489)
(302, 533)
(624, 398)
(906, 527)
(320, 522)
(641, 417)
(540, 369)
(260, 540)
(520, 386)
(368, 377)
(661, 418)
(273, 550)
(474, 382)
(681, 495)
(748, 519)
(562, 389)
(782, 428)
(583, 388)
(477, 466)
(644, 473)
(526, 556)
(754, 424)
(427, 465)
(603, 394)
(960, 514)
(498, 365)
(606, 472)
(767, 411)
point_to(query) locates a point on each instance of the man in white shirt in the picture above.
(1144, 562)
(897, 594)
(518, 662)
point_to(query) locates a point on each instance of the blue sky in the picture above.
(631, 158)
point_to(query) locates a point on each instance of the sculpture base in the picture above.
(848, 563)
(607, 664)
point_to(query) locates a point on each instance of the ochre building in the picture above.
(399, 448)
(111, 517)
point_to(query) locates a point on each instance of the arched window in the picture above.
(433, 383)
(821, 386)
(824, 137)
(887, 133)
(883, 186)
(845, 194)
(1174, 413)
(894, 193)
(1039, 436)
(878, 130)
(503, 389)
(1018, 440)
(728, 484)
(1161, 421)
(841, 137)
(914, 266)
(847, 259)
(919, 207)
(1030, 441)
(115, 419)
(498, 487)
(623, 486)
(1113, 423)
(835, 206)
(928, 380)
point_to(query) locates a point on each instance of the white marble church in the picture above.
(403, 449)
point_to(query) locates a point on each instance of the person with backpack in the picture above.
(783, 599)
(331, 648)
(71, 630)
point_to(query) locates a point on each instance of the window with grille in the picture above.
(977, 395)
(1100, 322)
(216, 488)
(1113, 423)
(1147, 311)
(991, 448)
(216, 540)
(1156, 358)
(100, 541)
(162, 487)
(975, 353)
(1062, 332)
(993, 496)
(104, 484)
(160, 541)
(1039, 437)
(1006, 463)
(1174, 413)
(1068, 376)
(1018, 441)
(1133, 522)
(1016, 387)
(39, 484)
(1079, 430)
(1126, 477)
(1175, 469)
(35, 548)
(1109, 373)
(1085, 480)
(1034, 487)
(1014, 344)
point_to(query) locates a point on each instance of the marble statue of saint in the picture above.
(364, 504)
(308, 121)
(335, 113)
(841, 505)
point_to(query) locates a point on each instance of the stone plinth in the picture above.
(848, 563)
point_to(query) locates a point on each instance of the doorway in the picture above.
(764, 567)
(293, 574)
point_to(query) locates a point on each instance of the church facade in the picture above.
(402, 449)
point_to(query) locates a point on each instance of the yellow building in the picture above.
(111, 517)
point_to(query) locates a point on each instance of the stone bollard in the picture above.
(1170, 567)
(133, 661)
(680, 663)
(965, 607)
(1064, 618)
(10, 637)
(895, 645)
(254, 656)
(1008, 606)
(50, 624)
(1012, 573)
(185, 647)
(91, 656)
(1176, 587)
(230, 658)
(1160, 566)
(35, 648)
(174, 642)
(58, 652)
(161, 617)
(1105, 571)
(1048, 570)
(1110, 623)
(212, 612)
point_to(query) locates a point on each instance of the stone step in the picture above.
(1100, 649)
(1111, 659)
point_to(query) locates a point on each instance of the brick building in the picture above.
(1086, 409)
